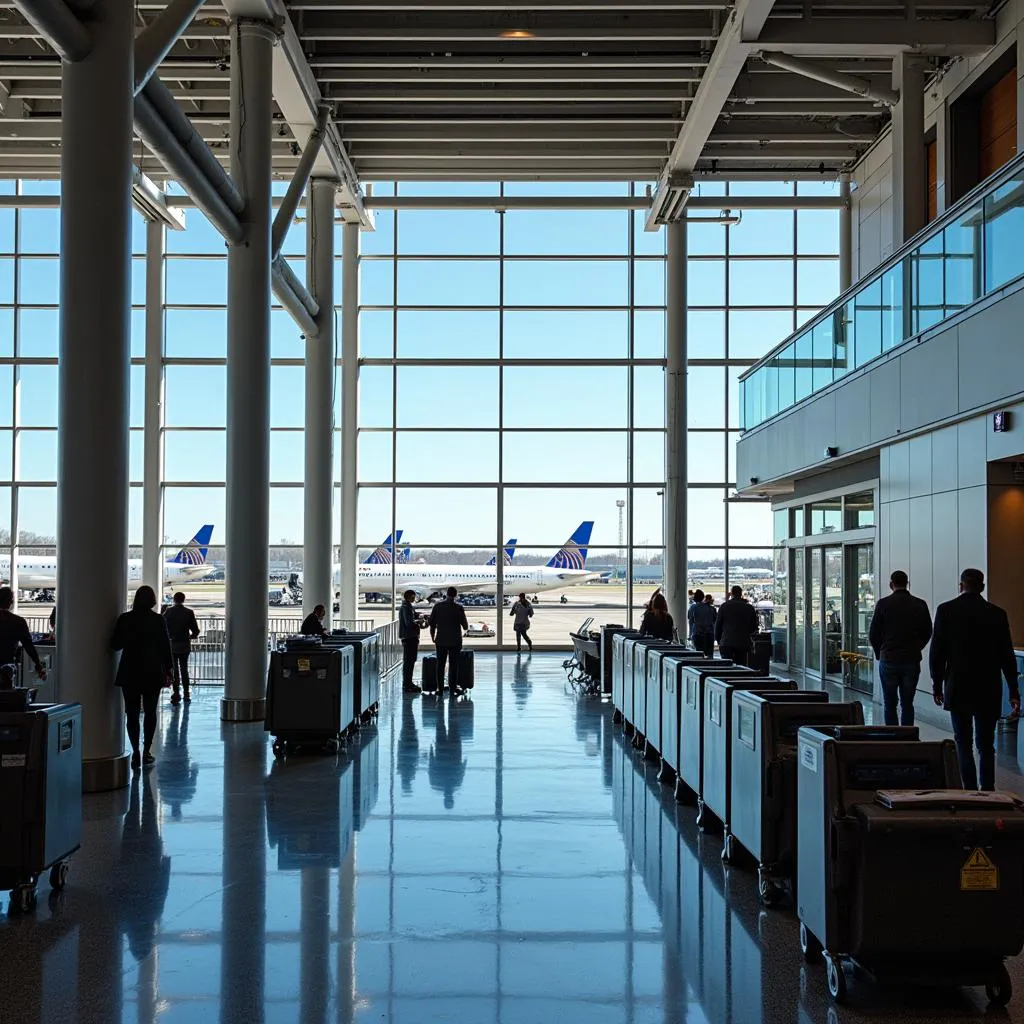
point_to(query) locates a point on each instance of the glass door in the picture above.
(833, 618)
(860, 605)
(815, 610)
(798, 645)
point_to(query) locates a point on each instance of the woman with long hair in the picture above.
(144, 670)
(656, 621)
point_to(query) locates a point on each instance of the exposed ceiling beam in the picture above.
(526, 6)
(322, 63)
(783, 87)
(539, 152)
(827, 152)
(554, 92)
(795, 130)
(506, 133)
(426, 77)
(856, 84)
(875, 37)
(733, 45)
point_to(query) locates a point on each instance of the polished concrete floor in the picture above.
(507, 858)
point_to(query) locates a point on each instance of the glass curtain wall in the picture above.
(511, 380)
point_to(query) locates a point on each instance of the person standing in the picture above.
(14, 634)
(701, 619)
(409, 626)
(735, 625)
(657, 621)
(900, 628)
(144, 670)
(313, 623)
(182, 629)
(447, 624)
(971, 650)
(522, 612)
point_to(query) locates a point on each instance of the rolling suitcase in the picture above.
(429, 681)
(466, 669)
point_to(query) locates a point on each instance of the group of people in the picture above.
(971, 653)
(732, 626)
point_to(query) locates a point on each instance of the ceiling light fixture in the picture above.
(517, 33)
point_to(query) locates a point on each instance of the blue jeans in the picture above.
(973, 730)
(899, 684)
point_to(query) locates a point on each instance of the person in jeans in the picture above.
(183, 629)
(409, 626)
(900, 628)
(701, 618)
(971, 650)
(447, 624)
(735, 625)
(522, 612)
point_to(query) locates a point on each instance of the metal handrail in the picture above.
(932, 230)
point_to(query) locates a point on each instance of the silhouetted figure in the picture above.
(409, 626)
(408, 746)
(521, 682)
(447, 624)
(656, 621)
(144, 872)
(14, 636)
(182, 629)
(735, 626)
(446, 766)
(177, 773)
(701, 618)
(313, 623)
(522, 612)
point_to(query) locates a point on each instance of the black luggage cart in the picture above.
(365, 672)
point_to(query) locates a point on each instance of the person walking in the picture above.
(735, 625)
(313, 623)
(144, 670)
(900, 628)
(14, 635)
(971, 649)
(656, 621)
(409, 626)
(701, 619)
(447, 624)
(522, 612)
(182, 629)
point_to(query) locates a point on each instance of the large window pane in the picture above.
(37, 455)
(649, 334)
(287, 396)
(194, 396)
(6, 455)
(194, 455)
(448, 282)
(705, 457)
(376, 282)
(199, 238)
(705, 516)
(375, 456)
(648, 458)
(37, 515)
(377, 396)
(39, 282)
(705, 333)
(817, 232)
(446, 457)
(567, 283)
(376, 333)
(566, 232)
(197, 282)
(750, 524)
(38, 231)
(447, 334)
(543, 456)
(195, 333)
(649, 283)
(1004, 227)
(705, 396)
(755, 332)
(762, 233)
(817, 282)
(448, 516)
(38, 332)
(705, 282)
(286, 515)
(648, 397)
(449, 232)
(38, 392)
(447, 396)
(373, 519)
(761, 283)
(287, 456)
(188, 508)
(569, 334)
(648, 515)
(549, 516)
(581, 396)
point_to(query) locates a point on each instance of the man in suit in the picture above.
(735, 625)
(447, 624)
(183, 629)
(900, 628)
(971, 649)
(409, 625)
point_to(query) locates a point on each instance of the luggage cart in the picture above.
(869, 800)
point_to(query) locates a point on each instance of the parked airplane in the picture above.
(385, 554)
(508, 555)
(568, 567)
(38, 573)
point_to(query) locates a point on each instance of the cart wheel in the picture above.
(809, 945)
(836, 979)
(770, 893)
(1000, 988)
(23, 899)
(59, 875)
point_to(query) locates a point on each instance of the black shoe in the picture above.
(136, 761)
(188, 697)
(148, 760)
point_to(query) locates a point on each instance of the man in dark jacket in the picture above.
(447, 624)
(735, 625)
(14, 634)
(182, 629)
(900, 628)
(409, 626)
(971, 650)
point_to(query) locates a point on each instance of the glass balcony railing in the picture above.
(974, 249)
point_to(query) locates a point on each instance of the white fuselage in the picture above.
(483, 579)
(39, 572)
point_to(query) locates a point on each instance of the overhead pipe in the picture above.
(290, 203)
(155, 42)
(848, 83)
(167, 148)
(293, 295)
(166, 107)
(59, 26)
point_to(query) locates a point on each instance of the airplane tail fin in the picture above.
(508, 554)
(385, 554)
(404, 554)
(573, 555)
(195, 551)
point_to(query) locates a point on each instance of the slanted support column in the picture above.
(318, 493)
(93, 378)
(845, 234)
(248, 378)
(349, 416)
(152, 465)
(675, 422)
(909, 167)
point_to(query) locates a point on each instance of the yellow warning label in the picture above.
(979, 874)
(303, 666)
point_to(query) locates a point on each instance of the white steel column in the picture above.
(318, 493)
(845, 234)
(675, 424)
(152, 468)
(93, 382)
(248, 378)
(909, 164)
(349, 416)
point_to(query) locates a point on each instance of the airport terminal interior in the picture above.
(564, 304)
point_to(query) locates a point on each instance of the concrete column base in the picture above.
(238, 709)
(102, 774)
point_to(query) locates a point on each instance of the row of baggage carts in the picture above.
(894, 870)
(321, 690)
